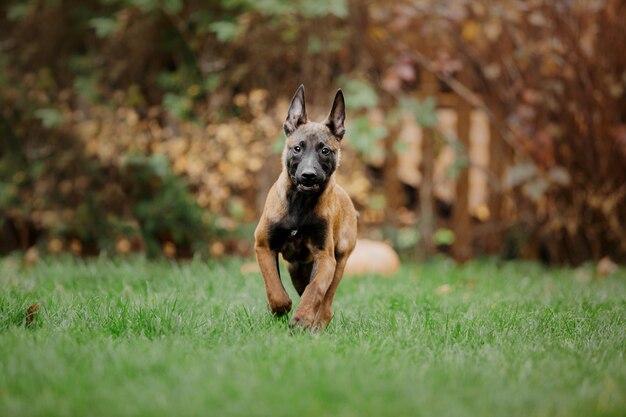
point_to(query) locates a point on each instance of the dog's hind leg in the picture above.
(300, 275)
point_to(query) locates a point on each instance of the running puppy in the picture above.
(307, 218)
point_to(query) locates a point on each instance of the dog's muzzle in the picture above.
(308, 182)
(308, 188)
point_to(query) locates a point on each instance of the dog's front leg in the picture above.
(277, 298)
(323, 272)
(324, 313)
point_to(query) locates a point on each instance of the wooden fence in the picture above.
(479, 157)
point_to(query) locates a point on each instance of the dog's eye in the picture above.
(325, 151)
(297, 149)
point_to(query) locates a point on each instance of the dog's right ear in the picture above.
(296, 115)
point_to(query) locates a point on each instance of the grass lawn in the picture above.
(118, 338)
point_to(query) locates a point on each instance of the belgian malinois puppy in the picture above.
(307, 218)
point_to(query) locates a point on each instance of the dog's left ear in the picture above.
(337, 116)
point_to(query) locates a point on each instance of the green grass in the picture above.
(118, 338)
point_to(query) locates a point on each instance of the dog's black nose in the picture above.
(309, 176)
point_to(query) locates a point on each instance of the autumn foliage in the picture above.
(155, 126)
(553, 85)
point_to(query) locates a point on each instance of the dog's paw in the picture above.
(301, 322)
(324, 316)
(280, 308)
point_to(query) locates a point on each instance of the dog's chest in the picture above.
(297, 236)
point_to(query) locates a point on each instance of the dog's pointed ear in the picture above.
(296, 115)
(337, 116)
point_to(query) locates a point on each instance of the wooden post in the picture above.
(427, 220)
(496, 168)
(462, 247)
(393, 187)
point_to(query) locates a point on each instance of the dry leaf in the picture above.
(31, 256)
(122, 246)
(55, 245)
(169, 249)
(249, 268)
(470, 31)
(31, 312)
(606, 267)
(444, 289)
(218, 249)
(76, 247)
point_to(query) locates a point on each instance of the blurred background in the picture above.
(473, 127)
